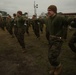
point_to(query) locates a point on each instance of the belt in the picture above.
(52, 36)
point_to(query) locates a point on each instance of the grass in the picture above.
(35, 60)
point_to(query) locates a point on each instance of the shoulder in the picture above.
(61, 18)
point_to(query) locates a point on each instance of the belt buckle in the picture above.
(59, 37)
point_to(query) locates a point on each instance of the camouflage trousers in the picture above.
(10, 29)
(72, 42)
(54, 51)
(19, 33)
(47, 36)
(37, 32)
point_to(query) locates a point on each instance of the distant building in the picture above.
(69, 14)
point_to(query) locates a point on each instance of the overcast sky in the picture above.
(12, 6)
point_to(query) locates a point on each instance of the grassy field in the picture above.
(35, 60)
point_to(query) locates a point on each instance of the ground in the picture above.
(35, 61)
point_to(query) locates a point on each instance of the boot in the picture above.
(58, 70)
(52, 70)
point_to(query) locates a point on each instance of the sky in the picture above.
(12, 6)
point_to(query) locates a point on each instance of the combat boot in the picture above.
(58, 70)
(51, 72)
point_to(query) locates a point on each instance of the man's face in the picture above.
(18, 14)
(50, 12)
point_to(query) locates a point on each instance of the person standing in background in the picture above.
(20, 29)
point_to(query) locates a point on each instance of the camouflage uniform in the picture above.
(55, 27)
(41, 23)
(73, 38)
(1, 23)
(27, 24)
(47, 31)
(20, 29)
(9, 25)
(36, 28)
(4, 22)
(15, 25)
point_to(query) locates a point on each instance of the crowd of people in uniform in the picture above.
(20, 24)
(56, 32)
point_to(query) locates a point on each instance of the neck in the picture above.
(53, 14)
